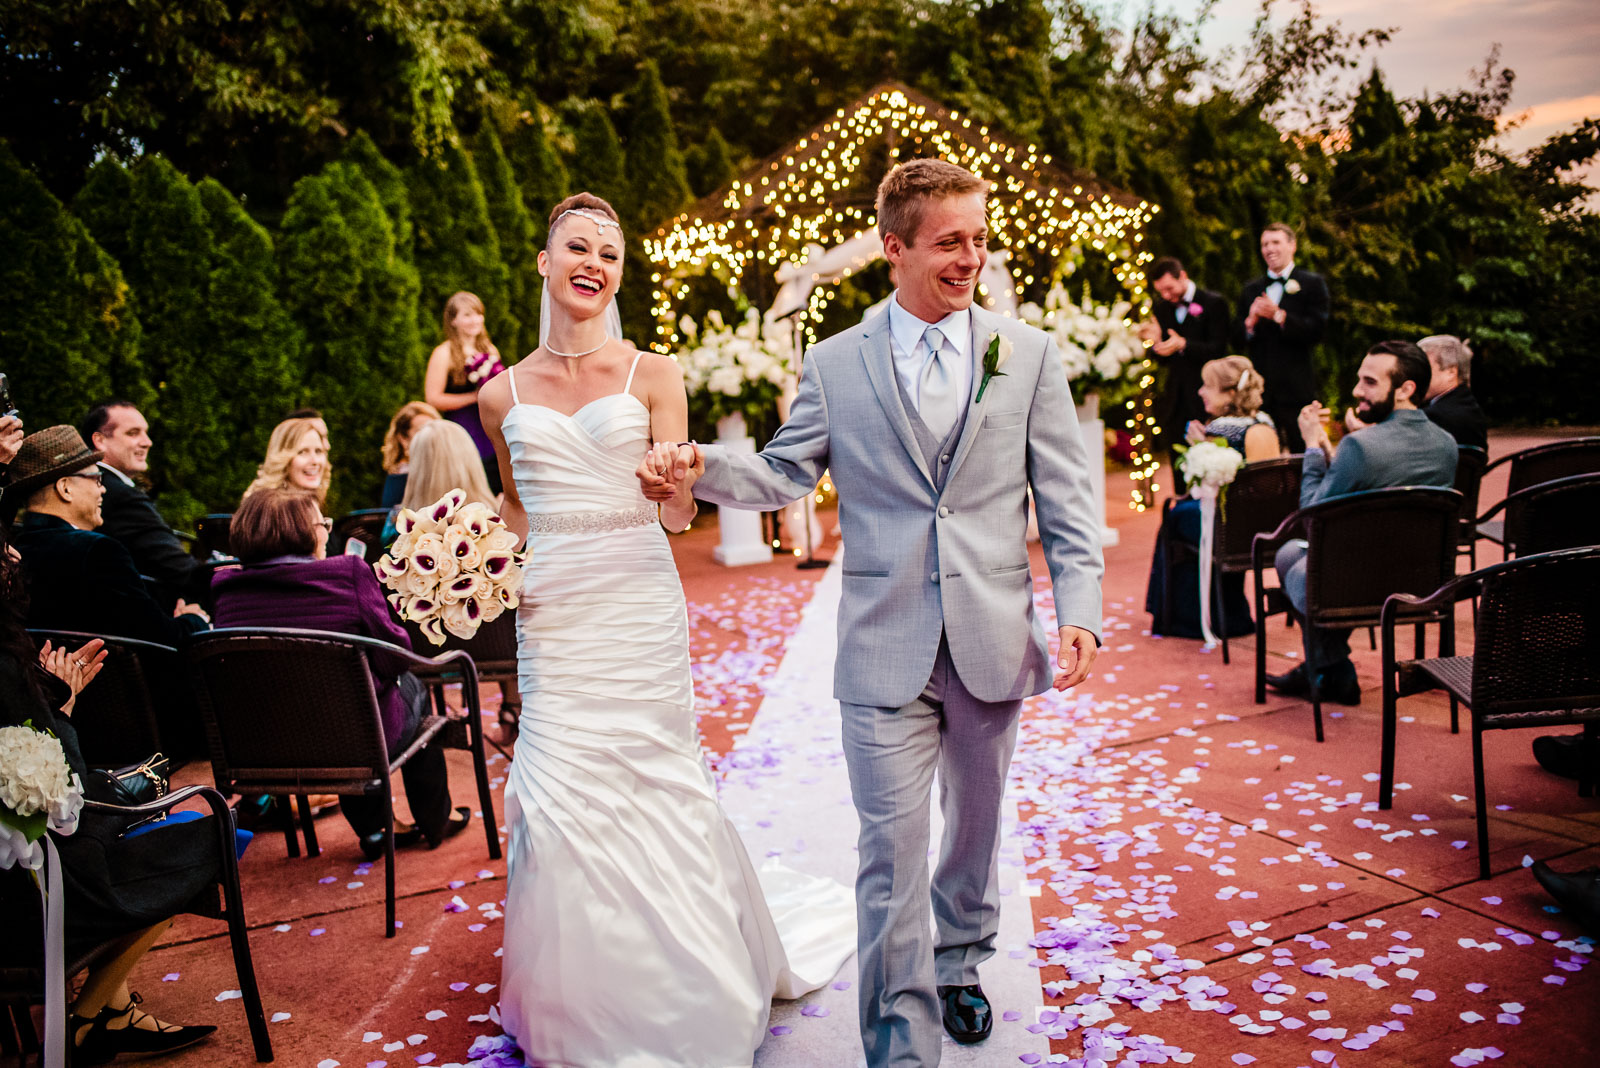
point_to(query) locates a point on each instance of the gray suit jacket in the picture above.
(1406, 449)
(921, 561)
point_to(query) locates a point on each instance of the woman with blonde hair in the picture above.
(443, 458)
(397, 448)
(1231, 389)
(297, 458)
(458, 367)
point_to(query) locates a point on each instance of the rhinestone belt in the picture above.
(591, 522)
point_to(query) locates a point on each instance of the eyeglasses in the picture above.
(96, 477)
(326, 523)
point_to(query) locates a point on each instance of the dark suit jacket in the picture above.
(84, 580)
(128, 514)
(1206, 337)
(339, 594)
(1283, 353)
(1458, 412)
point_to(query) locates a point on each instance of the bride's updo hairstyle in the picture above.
(581, 202)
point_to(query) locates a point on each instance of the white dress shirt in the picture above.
(1182, 311)
(911, 355)
(1275, 289)
(109, 470)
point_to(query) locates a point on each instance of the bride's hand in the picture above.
(656, 472)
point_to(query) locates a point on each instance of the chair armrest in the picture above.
(210, 796)
(1499, 506)
(1262, 543)
(1457, 589)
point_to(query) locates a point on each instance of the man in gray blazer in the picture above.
(933, 420)
(1398, 446)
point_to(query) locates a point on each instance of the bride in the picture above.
(637, 931)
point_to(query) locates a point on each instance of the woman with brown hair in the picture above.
(458, 367)
(405, 425)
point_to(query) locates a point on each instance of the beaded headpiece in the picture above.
(600, 220)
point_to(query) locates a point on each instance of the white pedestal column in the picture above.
(1094, 445)
(741, 542)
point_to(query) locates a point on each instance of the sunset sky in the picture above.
(1553, 45)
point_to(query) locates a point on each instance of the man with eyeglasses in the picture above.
(78, 579)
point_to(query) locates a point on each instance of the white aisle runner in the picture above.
(789, 794)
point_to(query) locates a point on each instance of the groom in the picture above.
(933, 447)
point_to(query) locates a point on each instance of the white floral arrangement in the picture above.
(39, 791)
(1209, 466)
(729, 369)
(453, 567)
(1099, 345)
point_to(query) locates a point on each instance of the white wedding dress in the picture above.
(637, 931)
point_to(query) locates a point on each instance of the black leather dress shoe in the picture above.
(372, 844)
(1578, 893)
(1291, 683)
(1338, 685)
(1560, 754)
(453, 826)
(967, 1016)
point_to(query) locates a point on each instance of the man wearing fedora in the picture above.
(78, 579)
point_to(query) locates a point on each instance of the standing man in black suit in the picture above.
(116, 430)
(1282, 317)
(1190, 328)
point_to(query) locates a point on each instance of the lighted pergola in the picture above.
(805, 218)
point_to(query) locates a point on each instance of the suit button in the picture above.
(945, 458)
(934, 577)
(943, 511)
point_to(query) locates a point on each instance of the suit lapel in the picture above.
(985, 325)
(879, 361)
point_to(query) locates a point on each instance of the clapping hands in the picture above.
(77, 669)
(1313, 427)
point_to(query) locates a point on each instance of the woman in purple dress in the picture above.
(458, 368)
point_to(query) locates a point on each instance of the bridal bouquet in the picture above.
(1208, 466)
(39, 791)
(482, 366)
(453, 567)
(728, 369)
(1100, 349)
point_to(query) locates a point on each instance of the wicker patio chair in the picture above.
(116, 718)
(211, 535)
(295, 712)
(1470, 464)
(1542, 463)
(493, 653)
(1563, 513)
(22, 977)
(1362, 547)
(1535, 662)
(365, 526)
(1259, 498)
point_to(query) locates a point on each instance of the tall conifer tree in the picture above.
(68, 334)
(390, 184)
(457, 248)
(709, 164)
(654, 163)
(513, 226)
(597, 165)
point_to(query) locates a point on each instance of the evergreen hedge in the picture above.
(457, 247)
(539, 170)
(354, 300)
(513, 226)
(68, 333)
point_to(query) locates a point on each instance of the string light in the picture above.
(810, 192)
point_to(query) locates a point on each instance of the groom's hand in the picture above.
(1078, 650)
(669, 468)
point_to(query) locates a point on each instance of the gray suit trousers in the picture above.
(892, 754)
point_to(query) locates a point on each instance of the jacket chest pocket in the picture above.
(1001, 420)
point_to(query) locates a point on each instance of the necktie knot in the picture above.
(933, 337)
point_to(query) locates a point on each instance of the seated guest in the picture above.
(397, 448)
(1230, 392)
(1450, 400)
(119, 432)
(297, 458)
(11, 435)
(121, 889)
(281, 538)
(79, 579)
(443, 457)
(1400, 447)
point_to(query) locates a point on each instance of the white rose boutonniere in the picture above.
(994, 358)
(1291, 287)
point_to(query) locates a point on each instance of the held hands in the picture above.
(669, 471)
(1078, 650)
(77, 669)
(184, 608)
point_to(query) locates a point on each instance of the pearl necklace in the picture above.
(575, 355)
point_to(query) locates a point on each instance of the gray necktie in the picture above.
(936, 390)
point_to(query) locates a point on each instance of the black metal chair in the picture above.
(117, 718)
(211, 535)
(1362, 548)
(493, 653)
(1546, 516)
(1535, 662)
(22, 979)
(295, 712)
(365, 526)
(1542, 463)
(1261, 495)
(1470, 464)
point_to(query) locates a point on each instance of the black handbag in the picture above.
(137, 784)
